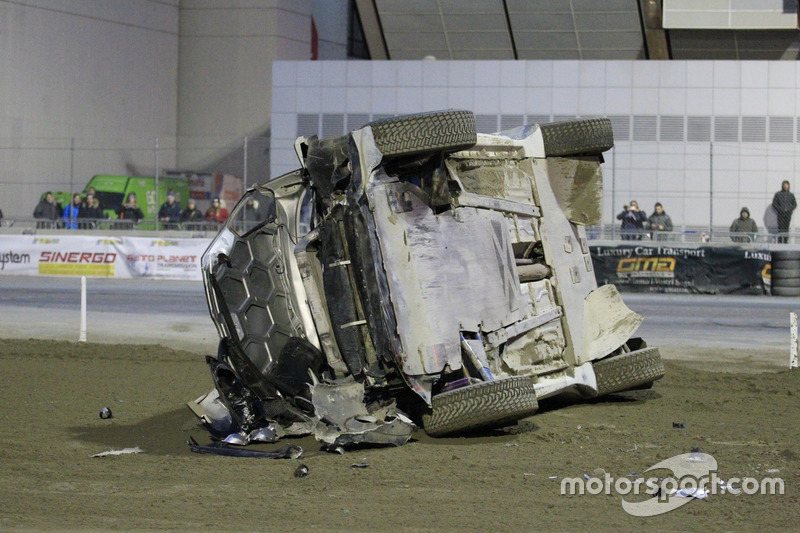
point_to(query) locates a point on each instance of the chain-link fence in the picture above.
(703, 187)
(209, 167)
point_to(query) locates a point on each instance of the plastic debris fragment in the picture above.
(123, 451)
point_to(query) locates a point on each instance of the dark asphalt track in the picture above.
(174, 313)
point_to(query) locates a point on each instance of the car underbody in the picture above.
(414, 273)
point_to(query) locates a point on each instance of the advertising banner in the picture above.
(113, 257)
(705, 270)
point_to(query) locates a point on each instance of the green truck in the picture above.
(113, 190)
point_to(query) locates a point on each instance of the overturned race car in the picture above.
(416, 273)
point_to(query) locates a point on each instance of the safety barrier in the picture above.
(101, 255)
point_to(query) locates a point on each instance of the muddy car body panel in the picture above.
(417, 263)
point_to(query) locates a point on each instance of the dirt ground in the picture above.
(741, 407)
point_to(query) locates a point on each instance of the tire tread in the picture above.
(573, 137)
(785, 291)
(439, 131)
(784, 273)
(785, 255)
(481, 406)
(628, 370)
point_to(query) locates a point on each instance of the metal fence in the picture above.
(689, 235)
(682, 235)
(32, 166)
(700, 183)
(27, 225)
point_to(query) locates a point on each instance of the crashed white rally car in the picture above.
(416, 273)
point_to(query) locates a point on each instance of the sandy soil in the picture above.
(738, 406)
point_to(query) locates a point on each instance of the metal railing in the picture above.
(681, 235)
(33, 225)
(690, 235)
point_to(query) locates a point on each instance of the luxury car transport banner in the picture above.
(114, 257)
(707, 269)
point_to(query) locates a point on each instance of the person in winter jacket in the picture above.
(130, 210)
(784, 204)
(90, 212)
(191, 215)
(632, 222)
(217, 213)
(659, 222)
(170, 213)
(91, 195)
(47, 211)
(745, 226)
(72, 212)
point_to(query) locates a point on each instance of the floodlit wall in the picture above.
(226, 54)
(702, 137)
(80, 75)
(130, 87)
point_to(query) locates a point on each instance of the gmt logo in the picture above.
(646, 267)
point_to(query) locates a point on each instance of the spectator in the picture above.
(659, 221)
(216, 213)
(170, 213)
(745, 226)
(632, 222)
(72, 212)
(47, 211)
(130, 210)
(251, 210)
(191, 215)
(93, 193)
(784, 203)
(90, 212)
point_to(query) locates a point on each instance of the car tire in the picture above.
(786, 282)
(785, 291)
(484, 405)
(629, 370)
(786, 255)
(784, 273)
(439, 131)
(786, 264)
(572, 137)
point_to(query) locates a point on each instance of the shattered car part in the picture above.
(345, 418)
(417, 273)
(224, 449)
(264, 434)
